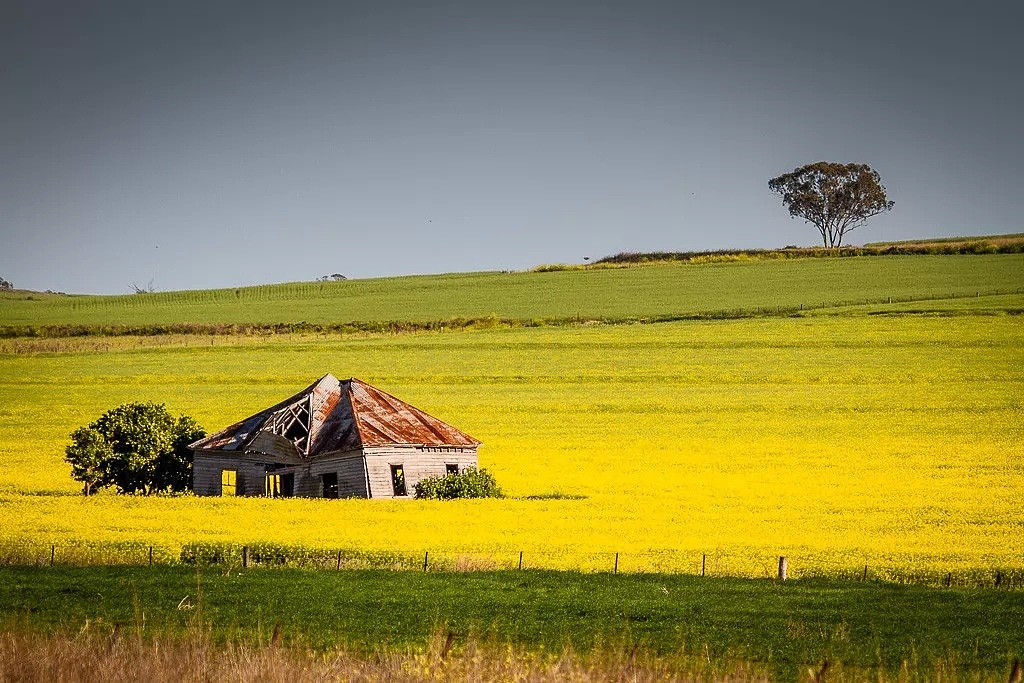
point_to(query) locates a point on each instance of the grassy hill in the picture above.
(649, 292)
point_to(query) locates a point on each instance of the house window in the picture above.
(273, 487)
(398, 480)
(330, 484)
(451, 468)
(228, 479)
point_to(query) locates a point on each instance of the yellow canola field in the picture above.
(892, 442)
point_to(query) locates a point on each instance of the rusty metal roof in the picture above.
(334, 415)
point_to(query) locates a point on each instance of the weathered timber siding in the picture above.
(417, 462)
(359, 476)
(306, 486)
(206, 474)
(351, 471)
(277, 448)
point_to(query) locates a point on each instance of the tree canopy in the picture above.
(835, 198)
(135, 447)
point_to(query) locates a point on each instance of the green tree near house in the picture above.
(88, 454)
(136, 448)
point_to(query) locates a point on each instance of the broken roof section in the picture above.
(333, 415)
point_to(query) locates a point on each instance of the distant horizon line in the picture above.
(607, 261)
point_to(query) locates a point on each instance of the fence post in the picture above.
(616, 563)
(949, 579)
(703, 563)
(520, 559)
(150, 556)
(426, 556)
(339, 560)
(999, 578)
(245, 557)
(53, 552)
(865, 573)
(783, 567)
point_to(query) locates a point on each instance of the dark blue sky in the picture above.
(200, 144)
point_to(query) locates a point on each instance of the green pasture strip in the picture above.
(974, 305)
(786, 625)
(633, 293)
(951, 304)
(93, 339)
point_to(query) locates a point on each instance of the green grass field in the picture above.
(784, 626)
(662, 290)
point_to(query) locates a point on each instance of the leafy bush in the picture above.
(469, 483)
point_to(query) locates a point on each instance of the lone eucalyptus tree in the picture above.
(834, 198)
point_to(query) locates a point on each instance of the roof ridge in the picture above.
(319, 396)
(352, 408)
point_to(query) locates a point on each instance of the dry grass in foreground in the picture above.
(112, 657)
(108, 655)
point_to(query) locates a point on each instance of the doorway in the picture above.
(330, 484)
(398, 480)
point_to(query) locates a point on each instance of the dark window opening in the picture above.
(330, 482)
(398, 480)
(451, 468)
(287, 485)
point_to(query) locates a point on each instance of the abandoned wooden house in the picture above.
(335, 439)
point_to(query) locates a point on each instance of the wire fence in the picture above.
(266, 556)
